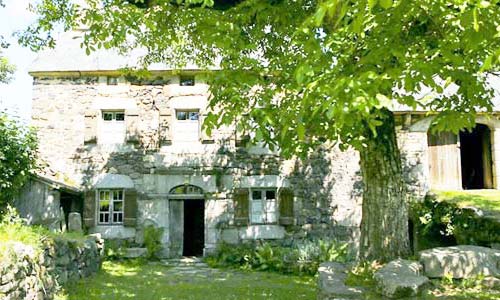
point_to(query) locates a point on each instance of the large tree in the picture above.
(300, 73)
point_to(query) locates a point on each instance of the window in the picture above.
(187, 115)
(263, 206)
(110, 206)
(113, 116)
(187, 80)
(186, 125)
(112, 129)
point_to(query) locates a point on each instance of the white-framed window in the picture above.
(263, 206)
(186, 127)
(110, 203)
(112, 127)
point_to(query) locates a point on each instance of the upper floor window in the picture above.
(112, 129)
(111, 206)
(187, 80)
(187, 115)
(186, 125)
(263, 206)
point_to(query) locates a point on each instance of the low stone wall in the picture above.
(30, 274)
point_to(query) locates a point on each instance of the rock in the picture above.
(462, 261)
(491, 283)
(135, 252)
(75, 222)
(400, 278)
(331, 283)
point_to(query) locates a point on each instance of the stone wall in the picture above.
(28, 274)
(327, 186)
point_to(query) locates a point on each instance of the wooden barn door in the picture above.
(444, 161)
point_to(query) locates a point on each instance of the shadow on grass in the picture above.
(139, 280)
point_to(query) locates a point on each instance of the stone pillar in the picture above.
(75, 222)
(495, 149)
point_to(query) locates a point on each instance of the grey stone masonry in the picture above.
(400, 278)
(28, 274)
(68, 112)
(462, 261)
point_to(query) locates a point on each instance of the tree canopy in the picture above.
(322, 67)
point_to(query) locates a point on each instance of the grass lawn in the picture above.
(136, 280)
(488, 200)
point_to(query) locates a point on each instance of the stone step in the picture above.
(185, 262)
(135, 252)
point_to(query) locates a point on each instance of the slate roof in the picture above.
(68, 56)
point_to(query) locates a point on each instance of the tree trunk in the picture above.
(384, 224)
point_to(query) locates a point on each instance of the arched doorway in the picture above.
(462, 161)
(187, 220)
(476, 163)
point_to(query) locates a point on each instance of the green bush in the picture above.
(152, 241)
(302, 258)
(18, 155)
(440, 223)
(114, 249)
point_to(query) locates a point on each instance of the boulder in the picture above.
(462, 261)
(491, 283)
(400, 278)
(75, 222)
(331, 283)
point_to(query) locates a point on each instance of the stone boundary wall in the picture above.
(29, 274)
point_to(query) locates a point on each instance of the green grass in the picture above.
(488, 200)
(138, 280)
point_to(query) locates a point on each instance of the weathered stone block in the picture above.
(331, 283)
(460, 261)
(400, 278)
(75, 222)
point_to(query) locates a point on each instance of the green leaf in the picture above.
(385, 4)
(372, 4)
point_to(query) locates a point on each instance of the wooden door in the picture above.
(444, 161)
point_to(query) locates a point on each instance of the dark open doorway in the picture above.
(476, 160)
(194, 227)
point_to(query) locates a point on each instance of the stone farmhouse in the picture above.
(127, 153)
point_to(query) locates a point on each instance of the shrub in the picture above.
(302, 258)
(18, 152)
(152, 241)
(114, 249)
(439, 223)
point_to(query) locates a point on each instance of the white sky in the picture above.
(15, 97)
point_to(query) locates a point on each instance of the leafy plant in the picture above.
(441, 223)
(152, 241)
(302, 258)
(18, 153)
(362, 274)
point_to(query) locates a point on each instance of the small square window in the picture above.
(120, 116)
(187, 80)
(107, 116)
(270, 195)
(193, 116)
(181, 115)
(256, 195)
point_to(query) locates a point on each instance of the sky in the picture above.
(15, 97)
